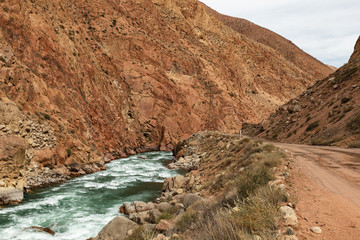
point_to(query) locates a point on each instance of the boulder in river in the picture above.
(10, 195)
(42, 229)
(116, 229)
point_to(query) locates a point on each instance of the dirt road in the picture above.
(327, 185)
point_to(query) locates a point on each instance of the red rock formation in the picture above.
(110, 77)
(285, 47)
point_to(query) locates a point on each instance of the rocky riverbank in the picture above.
(234, 187)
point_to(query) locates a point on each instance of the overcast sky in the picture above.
(326, 29)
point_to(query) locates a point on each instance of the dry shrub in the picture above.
(258, 214)
(252, 179)
(354, 124)
(186, 221)
(355, 144)
(141, 234)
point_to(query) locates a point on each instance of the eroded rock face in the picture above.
(92, 78)
(12, 166)
(325, 114)
(11, 195)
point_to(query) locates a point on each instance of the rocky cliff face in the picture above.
(282, 45)
(326, 114)
(85, 78)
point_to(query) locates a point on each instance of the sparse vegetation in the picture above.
(141, 233)
(325, 141)
(68, 152)
(312, 126)
(354, 124)
(345, 100)
(252, 179)
(355, 144)
(166, 215)
(186, 221)
(46, 116)
(257, 214)
(348, 109)
(252, 206)
(345, 75)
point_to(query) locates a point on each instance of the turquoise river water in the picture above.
(79, 208)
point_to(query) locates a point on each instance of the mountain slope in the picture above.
(88, 78)
(326, 114)
(285, 47)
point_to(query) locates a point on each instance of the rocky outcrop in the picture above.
(11, 195)
(117, 228)
(325, 114)
(12, 169)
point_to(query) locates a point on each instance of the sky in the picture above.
(326, 29)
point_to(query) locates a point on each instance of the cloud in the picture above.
(326, 29)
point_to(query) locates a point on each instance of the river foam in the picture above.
(79, 208)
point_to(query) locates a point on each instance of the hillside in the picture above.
(326, 114)
(285, 47)
(84, 79)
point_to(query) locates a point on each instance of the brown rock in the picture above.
(141, 206)
(289, 216)
(154, 215)
(116, 229)
(42, 229)
(163, 207)
(165, 225)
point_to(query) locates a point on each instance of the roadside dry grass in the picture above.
(245, 205)
(235, 175)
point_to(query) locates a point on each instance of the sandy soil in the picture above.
(326, 181)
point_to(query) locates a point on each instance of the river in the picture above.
(79, 208)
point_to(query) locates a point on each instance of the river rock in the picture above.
(163, 207)
(42, 229)
(178, 198)
(127, 208)
(165, 225)
(289, 216)
(9, 195)
(116, 229)
(140, 206)
(168, 184)
(179, 181)
(140, 218)
(154, 215)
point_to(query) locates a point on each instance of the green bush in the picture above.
(165, 215)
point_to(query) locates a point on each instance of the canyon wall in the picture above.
(91, 80)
